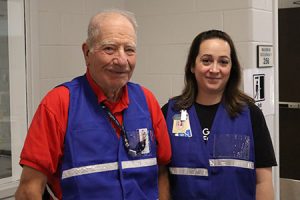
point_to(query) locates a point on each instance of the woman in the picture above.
(221, 146)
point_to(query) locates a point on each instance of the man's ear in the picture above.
(85, 50)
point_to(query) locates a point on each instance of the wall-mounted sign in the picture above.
(259, 84)
(264, 56)
(259, 87)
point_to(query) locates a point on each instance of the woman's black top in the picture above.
(264, 151)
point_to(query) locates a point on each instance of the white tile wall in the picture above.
(160, 85)
(50, 28)
(238, 24)
(270, 120)
(223, 5)
(143, 59)
(164, 34)
(177, 84)
(249, 25)
(176, 28)
(263, 4)
(72, 61)
(61, 61)
(50, 62)
(169, 59)
(94, 6)
(48, 84)
(67, 6)
(159, 7)
(262, 26)
(247, 54)
(233, 4)
(74, 29)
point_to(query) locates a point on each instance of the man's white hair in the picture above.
(95, 24)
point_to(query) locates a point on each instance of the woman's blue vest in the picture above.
(221, 168)
(96, 164)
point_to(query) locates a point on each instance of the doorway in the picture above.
(289, 102)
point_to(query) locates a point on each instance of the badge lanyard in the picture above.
(140, 146)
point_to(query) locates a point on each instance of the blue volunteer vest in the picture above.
(221, 168)
(96, 164)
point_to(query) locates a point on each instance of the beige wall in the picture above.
(166, 28)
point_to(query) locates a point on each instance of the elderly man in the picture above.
(98, 136)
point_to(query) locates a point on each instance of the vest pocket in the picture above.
(93, 145)
(231, 146)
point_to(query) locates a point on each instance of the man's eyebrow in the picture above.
(103, 43)
(106, 42)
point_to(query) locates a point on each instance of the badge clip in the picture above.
(183, 115)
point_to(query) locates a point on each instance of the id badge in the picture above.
(137, 136)
(143, 135)
(181, 128)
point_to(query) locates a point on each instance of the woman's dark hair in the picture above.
(233, 98)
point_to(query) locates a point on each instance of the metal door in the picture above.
(289, 97)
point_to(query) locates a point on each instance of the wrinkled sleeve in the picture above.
(160, 129)
(43, 145)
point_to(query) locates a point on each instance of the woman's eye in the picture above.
(206, 61)
(224, 62)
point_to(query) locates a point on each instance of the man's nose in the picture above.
(120, 58)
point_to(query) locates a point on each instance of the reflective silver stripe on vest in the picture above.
(231, 163)
(139, 163)
(89, 169)
(189, 171)
(108, 167)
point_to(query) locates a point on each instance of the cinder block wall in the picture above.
(166, 29)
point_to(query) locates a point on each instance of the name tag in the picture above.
(181, 125)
